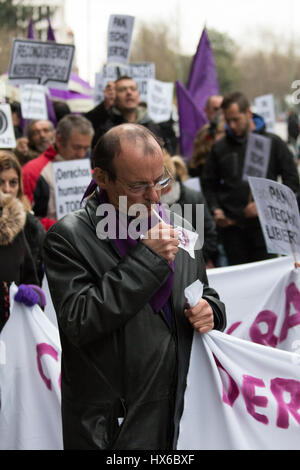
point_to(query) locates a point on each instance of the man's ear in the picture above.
(58, 142)
(101, 177)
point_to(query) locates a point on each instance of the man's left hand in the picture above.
(201, 316)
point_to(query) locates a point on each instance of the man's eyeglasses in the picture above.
(139, 188)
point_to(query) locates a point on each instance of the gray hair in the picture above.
(73, 122)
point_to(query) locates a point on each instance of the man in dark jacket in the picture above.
(126, 330)
(121, 104)
(228, 195)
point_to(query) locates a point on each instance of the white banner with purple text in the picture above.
(30, 353)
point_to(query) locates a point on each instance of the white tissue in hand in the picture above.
(187, 240)
(193, 292)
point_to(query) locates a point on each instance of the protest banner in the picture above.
(265, 107)
(278, 215)
(33, 102)
(159, 100)
(71, 178)
(262, 301)
(41, 63)
(7, 135)
(30, 417)
(240, 396)
(119, 35)
(257, 156)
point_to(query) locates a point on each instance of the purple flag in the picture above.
(50, 109)
(203, 79)
(191, 119)
(30, 32)
(50, 33)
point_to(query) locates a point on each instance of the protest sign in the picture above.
(33, 102)
(99, 88)
(278, 215)
(71, 178)
(265, 107)
(257, 156)
(159, 100)
(120, 29)
(7, 135)
(42, 63)
(140, 72)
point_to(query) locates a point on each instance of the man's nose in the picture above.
(80, 153)
(152, 194)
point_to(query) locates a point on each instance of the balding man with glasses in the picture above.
(126, 329)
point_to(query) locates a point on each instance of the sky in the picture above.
(241, 19)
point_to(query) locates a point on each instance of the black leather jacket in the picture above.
(119, 358)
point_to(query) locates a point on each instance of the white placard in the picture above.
(139, 72)
(7, 134)
(119, 35)
(71, 178)
(42, 63)
(266, 108)
(257, 156)
(278, 215)
(159, 99)
(33, 102)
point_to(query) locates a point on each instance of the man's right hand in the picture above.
(109, 95)
(163, 240)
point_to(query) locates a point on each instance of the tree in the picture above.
(157, 43)
(225, 51)
(14, 21)
(271, 67)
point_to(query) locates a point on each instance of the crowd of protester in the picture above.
(232, 232)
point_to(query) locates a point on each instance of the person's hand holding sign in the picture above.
(109, 95)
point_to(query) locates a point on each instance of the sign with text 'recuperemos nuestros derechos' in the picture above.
(278, 215)
(41, 63)
(71, 178)
(119, 36)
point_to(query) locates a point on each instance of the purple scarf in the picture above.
(161, 297)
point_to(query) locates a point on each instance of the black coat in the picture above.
(222, 176)
(119, 358)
